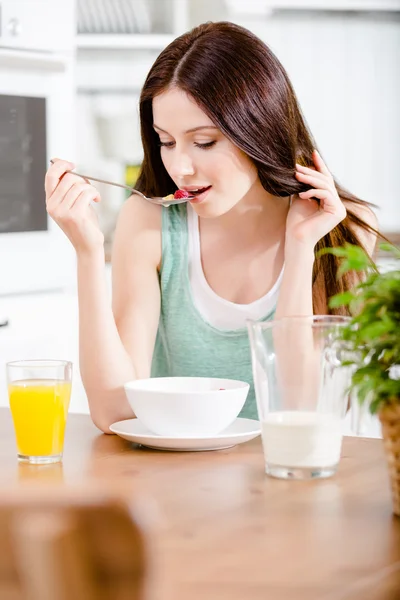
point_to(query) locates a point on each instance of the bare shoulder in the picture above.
(138, 232)
(364, 212)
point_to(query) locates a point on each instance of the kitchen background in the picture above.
(87, 60)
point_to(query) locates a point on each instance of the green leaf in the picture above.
(342, 299)
(375, 330)
(371, 341)
(375, 405)
(354, 258)
(387, 247)
(363, 373)
(345, 267)
(387, 355)
(339, 251)
(364, 390)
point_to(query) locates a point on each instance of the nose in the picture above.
(180, 164)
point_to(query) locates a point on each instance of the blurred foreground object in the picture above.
(71, 545)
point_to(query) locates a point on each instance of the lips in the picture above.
(200, 195)
(193, 188)
(197, 191)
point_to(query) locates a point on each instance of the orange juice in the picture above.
(39, 409)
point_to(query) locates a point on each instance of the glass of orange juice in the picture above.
(39, 392)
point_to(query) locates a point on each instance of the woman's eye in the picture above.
(197, 144)
(205, 145)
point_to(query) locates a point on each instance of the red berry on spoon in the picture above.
(181, 194)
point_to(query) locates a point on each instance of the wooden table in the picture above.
(223, 530)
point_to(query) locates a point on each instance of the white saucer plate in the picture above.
(241, 430)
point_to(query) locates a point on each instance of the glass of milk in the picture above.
(301, 387)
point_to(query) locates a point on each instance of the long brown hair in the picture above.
(243, 88)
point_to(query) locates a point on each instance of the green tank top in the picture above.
(186, 345)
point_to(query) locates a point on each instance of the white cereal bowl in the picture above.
(186, 406)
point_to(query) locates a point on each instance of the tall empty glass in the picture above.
(39, 394)
(302, 395)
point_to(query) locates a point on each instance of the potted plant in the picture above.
(372, 343)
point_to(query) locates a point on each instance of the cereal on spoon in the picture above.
(178, 195)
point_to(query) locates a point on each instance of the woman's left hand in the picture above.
(308, 220)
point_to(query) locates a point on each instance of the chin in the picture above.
(211, 210)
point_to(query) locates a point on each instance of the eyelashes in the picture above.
(204, 146)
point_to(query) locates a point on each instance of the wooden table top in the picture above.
(223, 530)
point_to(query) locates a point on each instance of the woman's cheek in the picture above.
(166, 161)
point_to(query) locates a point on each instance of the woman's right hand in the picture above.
(68, 202)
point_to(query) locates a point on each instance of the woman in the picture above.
(218, 115)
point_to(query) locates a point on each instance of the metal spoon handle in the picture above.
(159, 201)
(121, 185)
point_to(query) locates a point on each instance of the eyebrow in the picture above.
(189, 130)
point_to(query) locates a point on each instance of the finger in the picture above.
(311, 170)
(53, 160)
(320, 165)
(55, 173)
(314, 193)
(77, 190)
(315, 180)
(63, 187)
(312, 173)
(74, 212)
(329, 202)
(59, 167)
(60, 204)
(84, 200)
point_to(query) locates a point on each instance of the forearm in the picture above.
(295, 295)
(298, 360)
(104, 363)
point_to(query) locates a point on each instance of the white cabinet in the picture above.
(163, 21)
(43, 25)
(262, 7)
(119, 62)
(41, 326)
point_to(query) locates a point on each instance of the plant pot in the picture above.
(389, 417)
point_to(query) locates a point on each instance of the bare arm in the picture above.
(295, 295)
(104, 363)
(295, 298)
(114, 348)
(306, 224)
(116, 345)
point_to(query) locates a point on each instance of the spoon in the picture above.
(161, 201)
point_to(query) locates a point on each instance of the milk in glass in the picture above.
(301, 439)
